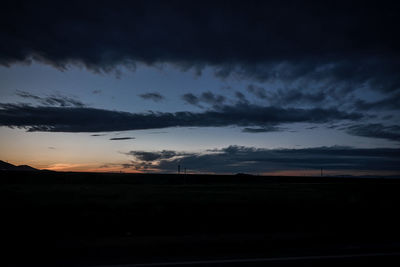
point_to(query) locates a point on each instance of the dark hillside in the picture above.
(5, 166)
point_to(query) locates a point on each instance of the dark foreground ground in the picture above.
(81, 219)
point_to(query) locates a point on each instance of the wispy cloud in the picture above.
(262, 129)
(52, 100)
(153, 156)
(208, 98)
(156, 97)
(121, 138)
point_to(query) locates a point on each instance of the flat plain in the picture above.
(91, 218)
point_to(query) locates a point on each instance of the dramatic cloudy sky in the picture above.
(278, 87)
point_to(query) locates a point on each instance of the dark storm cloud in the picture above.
(388, 103)
(257, 91)
(295, 96)
(332, 41)
(241, 97)
(387, 117)
(52, 100)
(288, 96)
(235, 159)
(376, 130)
(65, 119)
(121, 138)
(156, 97)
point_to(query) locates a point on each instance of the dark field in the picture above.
(87, 219)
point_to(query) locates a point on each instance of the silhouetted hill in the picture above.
(5, 166)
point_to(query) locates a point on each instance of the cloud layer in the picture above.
(77, 119)
(376, 130)
(236, 159)
(340, 42)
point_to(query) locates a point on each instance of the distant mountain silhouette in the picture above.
(5, 166)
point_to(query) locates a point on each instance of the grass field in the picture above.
(165, 215)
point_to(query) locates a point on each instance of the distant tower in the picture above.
(179, 169)
(185, 171)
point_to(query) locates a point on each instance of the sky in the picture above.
(225, 87)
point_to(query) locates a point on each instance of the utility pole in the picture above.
(179, 169)
(321, 172)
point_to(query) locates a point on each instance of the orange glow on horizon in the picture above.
(67, 167)
(118, 168)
